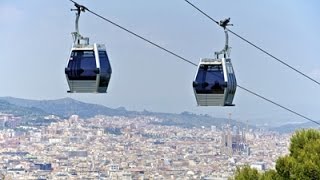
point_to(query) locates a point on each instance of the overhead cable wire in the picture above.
(192, 63)
(254, 45)
(138, 36)
(277, 104)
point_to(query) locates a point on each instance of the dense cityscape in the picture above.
(116, 147)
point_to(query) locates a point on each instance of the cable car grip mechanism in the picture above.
(226, 50)
(77, 37)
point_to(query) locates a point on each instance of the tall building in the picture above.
(226, 141)
(234, 142)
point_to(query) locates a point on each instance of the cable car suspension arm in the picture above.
(226, 50)
(77, 38)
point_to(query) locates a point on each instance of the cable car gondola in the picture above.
(88, 69)
(215, 82)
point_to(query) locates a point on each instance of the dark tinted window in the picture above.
(104, 62)
(105, 69)
(82, 65)
(210, 79)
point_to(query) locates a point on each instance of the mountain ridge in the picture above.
(65, 107)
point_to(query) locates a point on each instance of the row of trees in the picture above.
(303, 161)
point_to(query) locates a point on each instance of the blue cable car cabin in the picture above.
(215, 83)
(88, 69)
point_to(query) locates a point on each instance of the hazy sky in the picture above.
(36, 43)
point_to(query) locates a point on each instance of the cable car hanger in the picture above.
(226, 50)
(76, 35)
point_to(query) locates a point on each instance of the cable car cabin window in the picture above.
(82, 65)
(104, 62)
(210, 79)
(105, 69)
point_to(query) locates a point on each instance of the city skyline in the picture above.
(113, 147)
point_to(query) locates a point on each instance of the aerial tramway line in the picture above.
(214, 85)
(89, 71)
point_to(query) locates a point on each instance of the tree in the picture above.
(270, 175)
(246, 173)
(303, 162)
(301, 140)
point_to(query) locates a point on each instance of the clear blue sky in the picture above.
(36, 41)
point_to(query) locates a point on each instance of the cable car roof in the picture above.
(210, 61)
(88, 47)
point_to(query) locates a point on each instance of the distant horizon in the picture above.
(260, 124)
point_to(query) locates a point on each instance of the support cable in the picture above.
(256, 46)
(194, 64)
